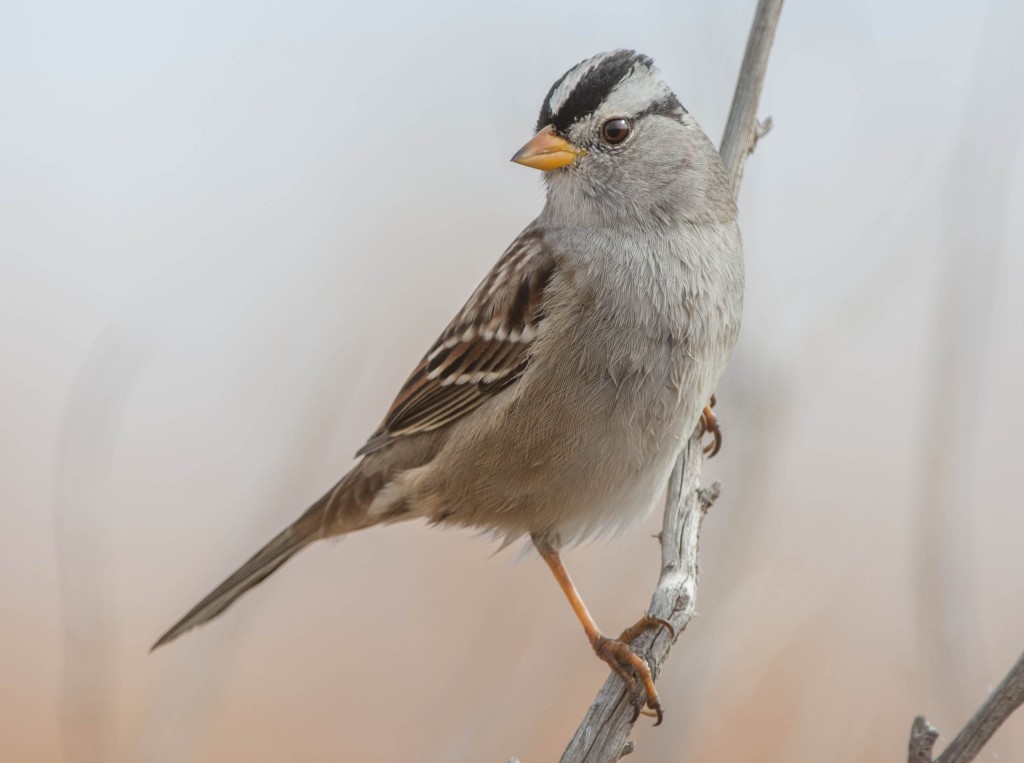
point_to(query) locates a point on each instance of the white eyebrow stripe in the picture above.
(636, 91)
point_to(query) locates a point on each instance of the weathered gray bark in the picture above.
(602, 736)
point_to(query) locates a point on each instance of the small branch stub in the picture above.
(761, 128)
(708, 495)
(922, 741)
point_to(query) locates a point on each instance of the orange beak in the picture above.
(547, 151)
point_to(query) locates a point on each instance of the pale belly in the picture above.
(567, 457)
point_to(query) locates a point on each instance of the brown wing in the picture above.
(483, 350)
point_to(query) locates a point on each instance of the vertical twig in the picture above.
(602, 734)
(742, 130)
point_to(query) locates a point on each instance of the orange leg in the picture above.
(709, 423)
(627, 664)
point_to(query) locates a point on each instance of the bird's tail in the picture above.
(318, 521)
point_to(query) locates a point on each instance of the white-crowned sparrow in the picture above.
(556, 401)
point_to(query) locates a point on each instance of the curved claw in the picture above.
(712, 448)
(626, 663)
(644, 624)
(667, 626)
(709, 423)
(655, 713)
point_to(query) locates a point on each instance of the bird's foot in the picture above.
(709, 423)
(632, 668)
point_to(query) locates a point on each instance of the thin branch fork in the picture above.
(999, 706)
(602, 736)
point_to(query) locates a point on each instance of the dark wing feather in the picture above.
(483, 350)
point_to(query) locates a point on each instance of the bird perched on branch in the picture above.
(556, 401)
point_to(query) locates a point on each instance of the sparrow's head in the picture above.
(615, 143)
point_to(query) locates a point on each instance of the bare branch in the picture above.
(922, 741)
(742, 129)
(999, 706)
(601, 737)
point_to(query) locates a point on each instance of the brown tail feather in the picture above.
(318, 521)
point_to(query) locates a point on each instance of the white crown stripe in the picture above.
(572, 79)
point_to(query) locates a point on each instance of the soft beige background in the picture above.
(227, 232)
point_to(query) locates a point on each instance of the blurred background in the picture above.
(228, 230)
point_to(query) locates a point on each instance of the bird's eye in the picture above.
(615, 130)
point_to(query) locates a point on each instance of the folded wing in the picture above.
(483, 350)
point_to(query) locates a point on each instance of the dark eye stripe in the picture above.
(668, 106)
